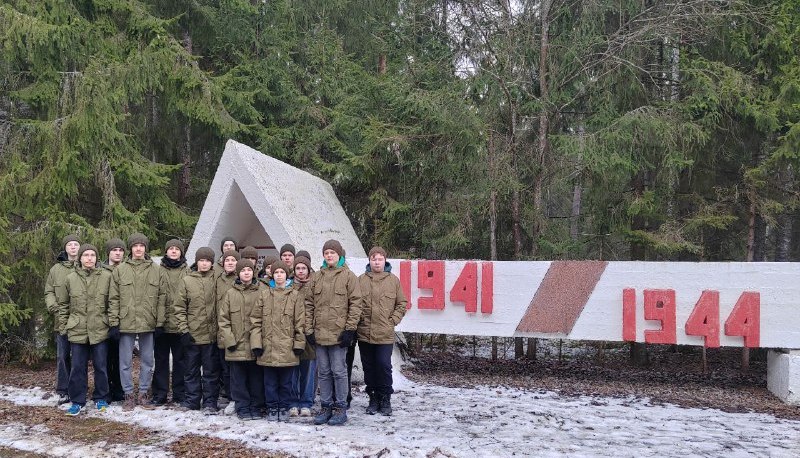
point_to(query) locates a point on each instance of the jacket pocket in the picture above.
(73, 321)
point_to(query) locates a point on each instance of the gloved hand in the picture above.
(311, 339)
(232, 348)
(297, 351)
(113, 332)
(257, 352)
(186, 339)
(347, 338)
(158, 332)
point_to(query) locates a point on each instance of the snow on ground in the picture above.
(434, 421)
(37, 440)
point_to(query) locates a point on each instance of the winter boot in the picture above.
(339, 416)
(273, 414)
(374, 405)
(129, 402)
(144, 401)
(324, 415)
(385, 406)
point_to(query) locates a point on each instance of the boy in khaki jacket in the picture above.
(333, 310)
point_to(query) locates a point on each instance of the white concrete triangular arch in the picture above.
(261, 201)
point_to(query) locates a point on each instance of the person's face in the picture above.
(72, 249)
(203, 265)
(115, 255)
(331, 257)
(377, 262)
(279, 276)
(229, 264)
(228, 245)
(268, 269)
(174, 253)
(88, 259)
(246, 275)
(301, 271)
(287, 257)
(137, 251)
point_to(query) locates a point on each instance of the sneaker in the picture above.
(256, 415)
(305, 412)
(244, 416)
(74, 410)
(208, 410)
(283, 415)
(273, 415)
(101, 405)
(63, 398)
(230, 409)
(339, 416)
(294, 412)
(323, 416)
(129, 403)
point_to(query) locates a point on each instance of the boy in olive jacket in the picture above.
(333, 310)
(84, 317)
(137, 301)
(277, 339)
(247, 380)
(384, 307)
(196, 317)
(54, 295)
(173, 267)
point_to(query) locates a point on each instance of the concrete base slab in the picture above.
(783, 375)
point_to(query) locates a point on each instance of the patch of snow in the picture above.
(433, 420)
(37, 439)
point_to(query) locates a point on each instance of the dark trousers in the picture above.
(376, 359)
(278, 386)
(115, 392)
(247, 386)
(79, 372)
(351, 356)
(63, 363)
(203, 356)
(224, 376)
(164, 345)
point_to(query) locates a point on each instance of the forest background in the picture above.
(510, 130)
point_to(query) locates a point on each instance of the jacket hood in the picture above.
(289, 283)
(338, 264)
(62, 257)
(387, 268)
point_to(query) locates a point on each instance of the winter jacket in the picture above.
(195, 307)
(138, 296)
(225, 281)
(384, 306)
(85, 313)
(277, 322)
(309, 352)
(234, 320)
(55, 288)
(173, 275)
(334, 303)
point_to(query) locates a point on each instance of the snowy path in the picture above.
(437, 421)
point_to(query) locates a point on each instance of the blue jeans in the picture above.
(78, 375)
(332, 373)
(63, 363)
(305, 383)
(146, 360)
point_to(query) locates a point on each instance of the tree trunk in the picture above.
(519, 348)
(494, 348)
(544, 123)
(492, 202)
(531, 350)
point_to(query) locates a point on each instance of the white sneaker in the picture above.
(294, 412)
(230, 409)
(305, 412)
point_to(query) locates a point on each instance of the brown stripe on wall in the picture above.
(561, 296)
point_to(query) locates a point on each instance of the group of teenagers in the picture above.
(220, 329)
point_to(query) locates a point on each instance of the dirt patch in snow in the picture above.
(188, 445)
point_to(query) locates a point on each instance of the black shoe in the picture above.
(374, 404)
(385, 405)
